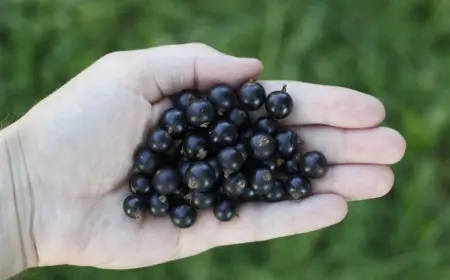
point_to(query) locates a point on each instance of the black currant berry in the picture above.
(140, 184)
(239, 117)
(241, 148)
(223, 133)
(262, 146)
(145, 161)
(166, 180)
(183, 216)
(245, 136)
(196, 146)
(201, 200)
(235, 184)
(271, 163)
(217, 168)
(134, 207)
(200, 113)
(290, 165)
(262, 180)
(222, 97)
(252, 96)
(287, 141)
(267, 125)
(160, 141)
(183, 99)
(298, 187)
(159, 205)
(250, 195)
(279, 104)
(313, 164)
(174, 122)
(200, 176)
(277, 193)
(225, 209)
(230, 159)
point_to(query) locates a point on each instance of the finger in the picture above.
(161, 71)
(381, 145)
(356, 182)
(329, 105)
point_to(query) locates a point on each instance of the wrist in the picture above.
(16, 204)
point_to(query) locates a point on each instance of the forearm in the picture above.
(17, 250)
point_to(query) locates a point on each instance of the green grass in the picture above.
(399, 51)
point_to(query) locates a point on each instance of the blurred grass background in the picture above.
(399, 51)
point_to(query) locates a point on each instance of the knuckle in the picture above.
(198, 46)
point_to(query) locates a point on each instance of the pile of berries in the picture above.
(208, 153)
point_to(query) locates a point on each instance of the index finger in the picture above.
(329, 105)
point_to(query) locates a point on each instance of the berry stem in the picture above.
(284, 88)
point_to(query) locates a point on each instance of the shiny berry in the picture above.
(200, 176)
(239, 117)
(184, 98)
(196, 146)
(222, 97)
(235, 184)
(287, 141)
(262, 146)
(200, 113)
(252, 96)
(230, 159)
(271, 163)
(298, 187)
(140, 184)
(277, 193)
(201, 200)
(250, 195)
(225, 209)
(166, 180)
(145, 161)
(158, 205)
(174, 122)
(267, 125)
(223, 133)
(262, 180)
(313, 164)
(290, 165)
(160, 141)
(241, 148)
(217, 168)
(134, 207)
(183, 216)
(279, 104)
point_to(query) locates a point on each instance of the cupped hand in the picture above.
(79, 143)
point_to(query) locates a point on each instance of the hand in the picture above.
(79, 143)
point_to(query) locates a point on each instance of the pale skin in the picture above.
(70, 155)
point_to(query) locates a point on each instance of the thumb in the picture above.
(162, 71)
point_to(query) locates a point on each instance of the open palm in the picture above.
(79, 143)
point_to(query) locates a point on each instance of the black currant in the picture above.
(160, 141)
(196, 146)
(225, 209)
(287, 141)
(159, 205)
(166, 180)
(145, 161)
(134, 207)
(235, 184)
(262, 180)
(222, 97)
(183, 216)
(241, 148)
(267, 125)
(217, 168)
(279, 104)
(200, 176)
(201, 200)
(174, 122)
(184, 98)
(200, 113)
(313, 164)
(223, 133)
(262, 146)
(140, 184)
(271, 163)
(298, 187)
(239, 117)
(250, 195)
(290, 165)
(245, 136)
(277, 193)
(252, 96)
(231, 160)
